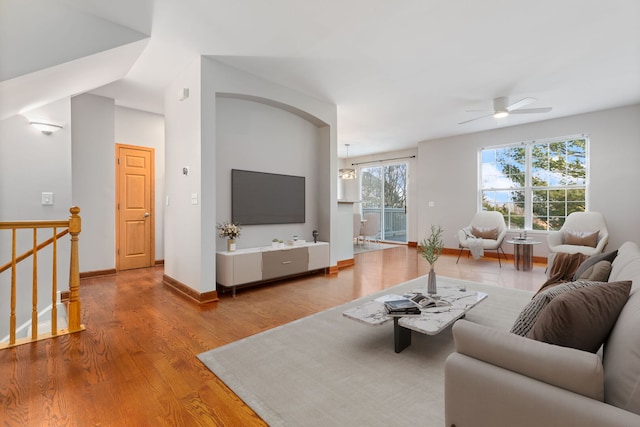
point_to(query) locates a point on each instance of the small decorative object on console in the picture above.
(230, 231)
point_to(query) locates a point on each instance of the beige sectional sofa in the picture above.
(496, 378)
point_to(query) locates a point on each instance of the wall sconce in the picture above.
(347, 173)
(46, 128)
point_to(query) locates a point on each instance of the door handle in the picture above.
(146, 214)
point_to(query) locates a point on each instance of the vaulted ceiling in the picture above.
(399, 72)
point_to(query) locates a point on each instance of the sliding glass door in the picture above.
(384, 192)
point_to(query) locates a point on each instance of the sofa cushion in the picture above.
(581, 318)
(580, 238)
(594, 259)
(599, 272)
(621, 358)
(485, 232)
(628, 253)
(529, 314)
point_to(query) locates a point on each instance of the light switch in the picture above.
(47, 199)
(194, 198)
(432, 204)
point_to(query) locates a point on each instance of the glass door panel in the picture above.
(384, 192)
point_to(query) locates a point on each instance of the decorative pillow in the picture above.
(598, 272)
(531, 311)
(485, 232)
(582, 318)
(594, 259)
(581, 238)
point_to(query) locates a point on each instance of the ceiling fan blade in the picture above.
(531, 110)
(476, 118)
(519, 104)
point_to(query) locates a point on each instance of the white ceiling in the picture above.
(400, 72)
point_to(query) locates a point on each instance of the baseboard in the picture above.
(346, 263)
(85, 274)
(159, 262)
(192, 294)
(492, 254)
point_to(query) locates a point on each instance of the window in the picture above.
(536, 184)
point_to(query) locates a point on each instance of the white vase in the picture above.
(431, 282)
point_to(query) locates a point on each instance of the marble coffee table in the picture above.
(430, 322)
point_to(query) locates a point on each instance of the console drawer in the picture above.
(284, 263)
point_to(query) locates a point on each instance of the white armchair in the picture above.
(577, 234)
(369, 230)
(357, 224)
(492, 230)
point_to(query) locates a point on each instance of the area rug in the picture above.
(327, 370)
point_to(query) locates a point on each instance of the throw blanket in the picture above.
(475, 244)
(563, 268)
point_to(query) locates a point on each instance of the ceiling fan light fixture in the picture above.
(501, 114)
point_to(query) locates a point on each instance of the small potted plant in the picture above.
(229, 231)
(274, 243)
(431, 248)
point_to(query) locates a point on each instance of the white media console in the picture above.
(254, 265)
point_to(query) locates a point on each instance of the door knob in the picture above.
(146, 214)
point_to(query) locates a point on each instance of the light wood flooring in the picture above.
(136, 365)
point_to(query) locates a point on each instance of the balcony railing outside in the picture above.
(71, 226)
(394, 222)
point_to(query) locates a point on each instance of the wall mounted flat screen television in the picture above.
(266, 198)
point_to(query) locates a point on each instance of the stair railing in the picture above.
(71, 226)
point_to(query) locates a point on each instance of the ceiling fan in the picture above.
(502, 108)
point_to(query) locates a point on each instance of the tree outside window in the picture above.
(535, 185)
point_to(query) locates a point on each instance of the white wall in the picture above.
(449, 172)
(182, 225)
(32, 163)
(93, 181)
(139, 128)
(249, 133)
(191, 140)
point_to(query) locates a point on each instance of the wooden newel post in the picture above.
(75, 225)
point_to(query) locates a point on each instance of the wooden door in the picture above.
(134, 207)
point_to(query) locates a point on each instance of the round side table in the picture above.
(523, 253)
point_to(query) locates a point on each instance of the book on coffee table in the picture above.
(402, 306)
(412, 304)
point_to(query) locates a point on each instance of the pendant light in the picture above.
(347, 173)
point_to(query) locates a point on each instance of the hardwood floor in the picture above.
(136, 365)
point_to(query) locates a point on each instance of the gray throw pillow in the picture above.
(607, 256)
(531, 311)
